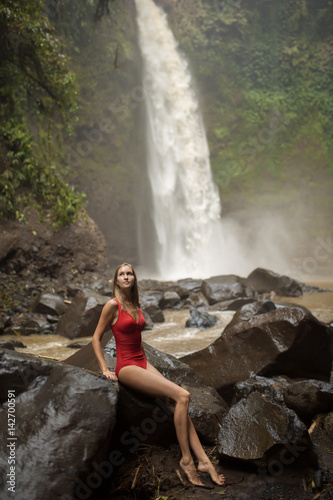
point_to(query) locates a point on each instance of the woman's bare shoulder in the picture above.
(112, 304)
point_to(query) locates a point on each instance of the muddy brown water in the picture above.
(171, 336)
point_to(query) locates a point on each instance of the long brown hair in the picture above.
(117, 293)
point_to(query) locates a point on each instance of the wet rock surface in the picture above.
(81, 318)
(287, 341)
(200, 320)
(49, 303)
(220, 288)
(95, 439)
(206, 407)
(259, 431)
(58, 433)
(263, 280)
(309, 398)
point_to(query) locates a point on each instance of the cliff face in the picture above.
(263, 75)
(33, 250)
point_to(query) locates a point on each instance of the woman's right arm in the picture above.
(107, 317)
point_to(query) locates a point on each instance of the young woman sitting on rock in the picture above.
(122, 313)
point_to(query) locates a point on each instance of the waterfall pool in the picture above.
(171, 336)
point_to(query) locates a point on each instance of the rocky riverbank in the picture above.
(262, 393)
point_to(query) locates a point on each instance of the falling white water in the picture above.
(186, 204)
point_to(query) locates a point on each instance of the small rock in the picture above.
(201, 320)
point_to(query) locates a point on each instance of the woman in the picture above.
(122, 313)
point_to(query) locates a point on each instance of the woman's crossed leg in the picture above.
(152, 383)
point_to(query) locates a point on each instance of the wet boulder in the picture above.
(271, 388)
(309, 398)
(64, 421)
(7, 345)
(206, 406)
(81, 318)
(248, 311)
(286, 341)
(265, 434)
(150, 297)
(201, 320)
(32, 324)
(149, 322)
(232, 304)
(49, 303)
(169, 300)
(220, 288)
(196, 300)
(263, 280)
(154, 312)
(149, 301)
(192, 285)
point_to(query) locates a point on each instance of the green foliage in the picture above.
(35, 82)
(26, 181)
(267, 71)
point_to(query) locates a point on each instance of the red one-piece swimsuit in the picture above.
(127, 334)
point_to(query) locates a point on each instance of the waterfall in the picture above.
(185, 201)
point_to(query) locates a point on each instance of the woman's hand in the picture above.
(109, 374)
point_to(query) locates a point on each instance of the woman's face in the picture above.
(125, 277)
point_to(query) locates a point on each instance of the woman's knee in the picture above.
(184, 397)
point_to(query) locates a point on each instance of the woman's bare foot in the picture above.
(191, 472)
(209, 468)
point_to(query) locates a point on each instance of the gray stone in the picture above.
(201, 320)
(169, 300)
(64, 418)
(220, 288)
(264, 433)
(206, 407)
(248, 311)
(49, 303)
(308, 398)
(263, 280)
(82, 316)
(282, 342)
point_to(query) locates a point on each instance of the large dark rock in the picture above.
(169, 300)
(32, 324)
(64, 418)
(286, 341)
(263, 280)
(7, 345)
(248, 311)
(82, 316)
(265, 434)
(220, 288)
(149, 300)
(192, 285)
(206, 407)
(49, 303)
(271, 388)
(232, 304)
(155, 313)
(308, 398)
